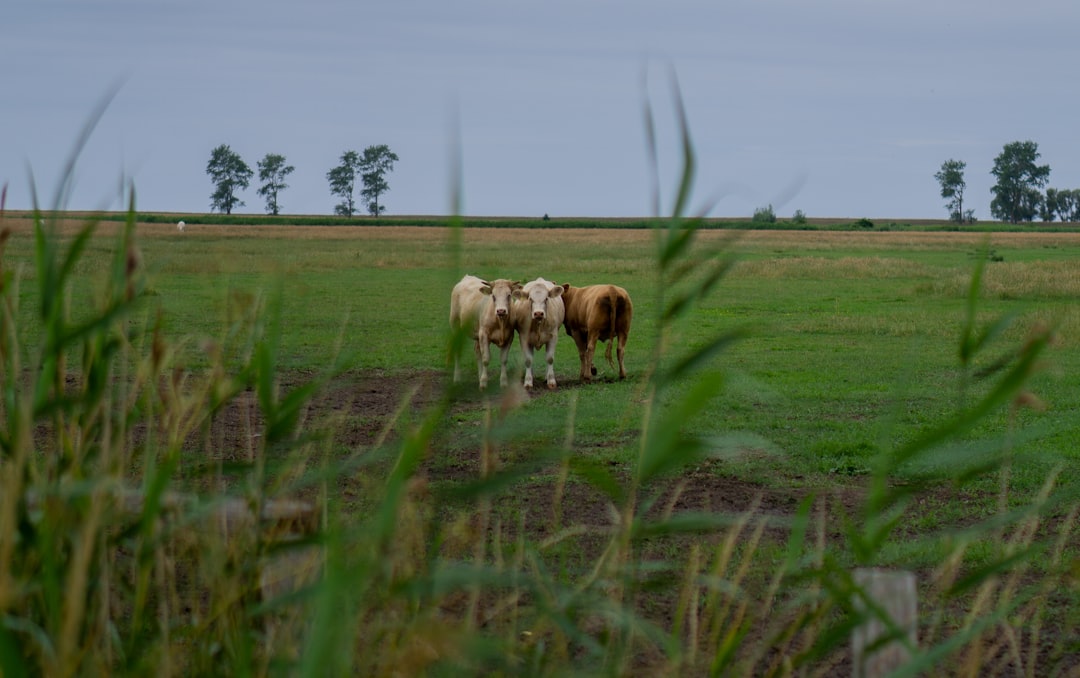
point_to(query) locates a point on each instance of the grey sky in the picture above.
(836, 107)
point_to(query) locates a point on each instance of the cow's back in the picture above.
(466, 302)
(603, 309)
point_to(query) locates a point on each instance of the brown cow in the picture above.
(538, 312)
(483, 309)
(598, 313)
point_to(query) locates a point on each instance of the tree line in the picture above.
(1018, 195)
(230, 175)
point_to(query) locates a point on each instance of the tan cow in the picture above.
(483, 309)
(538, 312)
(598, 313)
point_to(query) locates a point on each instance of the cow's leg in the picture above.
(582, 346)
(551, 361)
(621, 355)
(456, 351)
(590, 353)
(504, 355)
(483, 356)
(527, 356)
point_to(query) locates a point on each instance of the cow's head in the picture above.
(536, 294)
(501, 292)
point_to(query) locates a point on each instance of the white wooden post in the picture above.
(893, 591)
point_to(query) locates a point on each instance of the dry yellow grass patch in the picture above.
(73, 221)
(825, 268)
(1046, 280)
(915, 240)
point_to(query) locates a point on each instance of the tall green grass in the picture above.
(132, 542)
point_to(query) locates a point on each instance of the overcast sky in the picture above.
(837, 108)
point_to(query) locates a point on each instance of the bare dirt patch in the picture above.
(367, 408)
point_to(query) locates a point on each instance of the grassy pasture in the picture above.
(851, 349)
(852, 336)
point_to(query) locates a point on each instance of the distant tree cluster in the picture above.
(1061, 203)
(371, 166)
(767, 215)
(764, 215)
(1018, 195)
(230, 175)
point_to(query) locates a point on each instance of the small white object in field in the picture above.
(180, 225)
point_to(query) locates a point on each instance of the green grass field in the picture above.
(852, 338)
(848, 349)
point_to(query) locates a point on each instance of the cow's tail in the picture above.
(613, 301)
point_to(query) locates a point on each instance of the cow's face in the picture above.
(501, 292)
(536, 294)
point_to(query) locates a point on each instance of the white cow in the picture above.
(483, 309)
(180, 226)
(538, 313)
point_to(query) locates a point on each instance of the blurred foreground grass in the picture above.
(113, 561)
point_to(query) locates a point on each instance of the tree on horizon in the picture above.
(1017, 195)
(343, 182)
(376, 162)
(272, 172)
(229, 173)
(951, 179)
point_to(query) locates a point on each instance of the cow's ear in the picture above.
(556, 291)
(566, 287)
(485, 289)
(518, 293)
